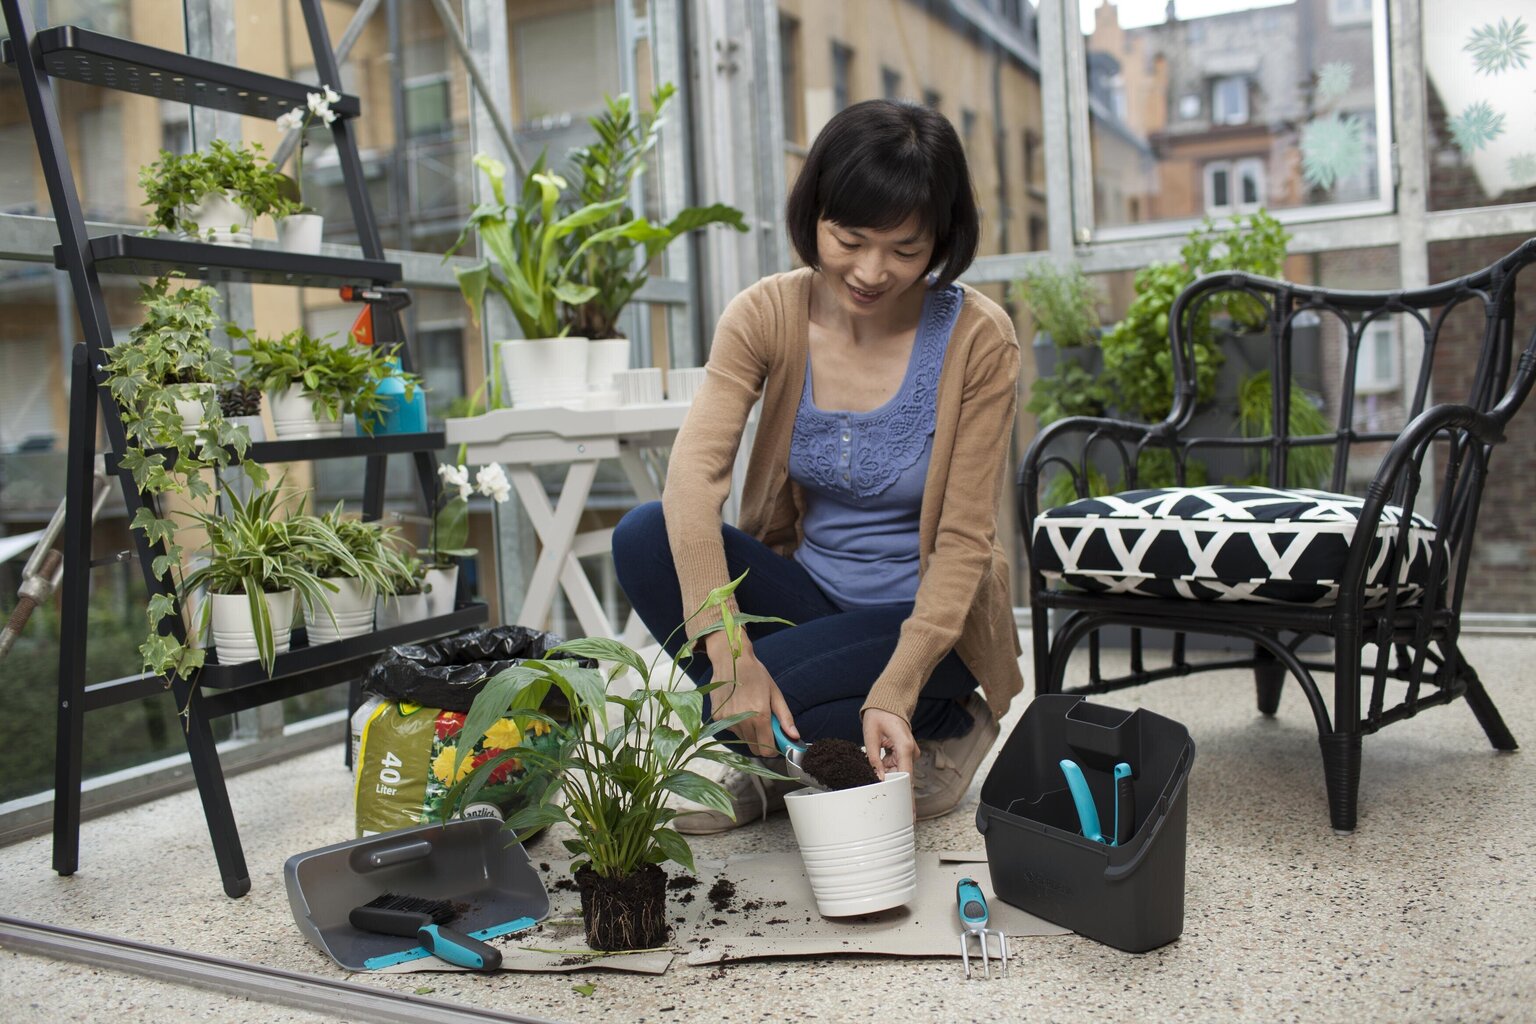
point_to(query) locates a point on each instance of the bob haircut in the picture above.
(875, 164)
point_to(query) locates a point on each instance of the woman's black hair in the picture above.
(877, 163)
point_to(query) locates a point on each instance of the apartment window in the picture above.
(932, 99)
(890, 83)
(1349, 12)
(1031, 156)
(1037, 240)
(427, 109)
(1229, 100)
(842, 75)
(789, 77)
(1379, 366)
(968, 129)
(1234, 186)
(1189, 106)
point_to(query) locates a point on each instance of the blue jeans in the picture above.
(824, 664)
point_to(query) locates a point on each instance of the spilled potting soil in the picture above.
(838, 764)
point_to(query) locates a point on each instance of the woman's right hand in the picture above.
(754, 690)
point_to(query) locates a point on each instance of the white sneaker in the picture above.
(752, 798)
(944, 768)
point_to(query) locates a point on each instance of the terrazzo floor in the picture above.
(1426, 913)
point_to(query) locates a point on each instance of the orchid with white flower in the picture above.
(299, 119)
(450, 524)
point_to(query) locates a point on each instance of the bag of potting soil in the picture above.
(404, 765)
(447, 673)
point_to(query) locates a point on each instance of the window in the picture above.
(890, 83)
(842, 76)
(1031, 156)
(1234, 186)
(932, 99)
(427, 110)
(1037, 239)
(789, 78)
(1349, 12)
(1379, 366)
(1189, 106)
(1229, 100)
(968, 130)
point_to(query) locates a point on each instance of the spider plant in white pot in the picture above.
(359, 579)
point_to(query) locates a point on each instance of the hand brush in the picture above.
(423, 920)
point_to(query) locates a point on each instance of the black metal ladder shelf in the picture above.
(82, 55)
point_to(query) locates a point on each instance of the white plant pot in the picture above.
(293, 415)
(193, 409)
(400, 610)
(351, 607)
(300, 232)
(858, 845)
(604, 359)
(234, 635)
(220, 221)
(444, 584)
(252, 424)
(545, 372)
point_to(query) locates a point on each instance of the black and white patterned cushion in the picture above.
(1223, 543)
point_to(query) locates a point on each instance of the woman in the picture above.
(869, 508)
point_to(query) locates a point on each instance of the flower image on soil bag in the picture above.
(405, 764)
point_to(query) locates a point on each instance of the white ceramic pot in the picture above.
(234, 635)
(293, 415)
(252, 424)
(300, 232)
(351, 608)
(220, 221)
(545, 372)
(604, 359)
(858, 845)
(400, 610)
(444, 584)
(193, 408)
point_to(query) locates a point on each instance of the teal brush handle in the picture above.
(1087, 813)
(458, 948)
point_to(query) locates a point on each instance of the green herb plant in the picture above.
(356, 548)
(1305, 465)
(617, 778)
(1063, 303)
(338, 378)
(169, 355)
(176, 182)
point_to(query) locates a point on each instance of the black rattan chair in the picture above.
(1293, 570)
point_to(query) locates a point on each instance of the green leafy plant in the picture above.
(338, 378)
(407, 573)
(1070, 391)
(254, 551)
(176, 182)
(240, 398)
(1063, 302)
(615, 251)
(169, 355)
(1305, 466)
(617, 778)
(353, 547)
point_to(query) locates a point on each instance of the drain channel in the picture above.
(271, 984)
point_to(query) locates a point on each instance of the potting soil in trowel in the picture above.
(766, 910)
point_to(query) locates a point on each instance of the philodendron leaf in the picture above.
(675, 847)
(603, 649)
(693, 786)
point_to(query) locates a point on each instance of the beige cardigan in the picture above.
(963, 604)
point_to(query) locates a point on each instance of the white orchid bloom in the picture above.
(327, 115)
(331, 95)
(316, 102)
(457, 476)
(492, 482)
(292, 120)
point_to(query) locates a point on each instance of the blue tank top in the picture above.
(862, 474)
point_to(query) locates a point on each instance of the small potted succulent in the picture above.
(300, 228)
(311, 383)
(405, 600)
(448, 539)
(618, 760)
(214, 194)
(359, 579)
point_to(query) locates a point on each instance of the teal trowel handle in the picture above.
(1087, 813)
(783, 742)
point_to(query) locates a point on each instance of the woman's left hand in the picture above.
(888, 735)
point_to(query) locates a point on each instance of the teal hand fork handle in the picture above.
(1125, 805)
(1087, 813)
(971, 905)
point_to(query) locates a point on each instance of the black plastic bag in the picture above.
(448, 673)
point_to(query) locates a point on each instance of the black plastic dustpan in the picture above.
(470, 861)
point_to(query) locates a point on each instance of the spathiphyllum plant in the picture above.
(337, 378)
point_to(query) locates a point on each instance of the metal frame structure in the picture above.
(217, 689)
(1441, 456)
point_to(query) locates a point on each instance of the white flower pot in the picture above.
(193, 408)
(640, 387)
(604, 359)
(545, 372)
(234, 635)
(220, 221)
(858, 845)
(300, 232)
(400, 610)
(351, 608)
(252, 424)
(444, 584)
(293, 415)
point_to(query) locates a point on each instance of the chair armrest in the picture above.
(1127, 438)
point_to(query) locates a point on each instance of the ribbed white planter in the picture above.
(605, 358)
(351, 608)
(300, 232)
(545, 372)
(220, 221)
(444, 584)
(400, 610)
(858, 845)
(234, 636)
(193, 409)
(293, 415)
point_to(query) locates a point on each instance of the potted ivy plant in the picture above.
(300, 228)
(213, 194)
(616, 777)
(356, 561)
(616, 250)
(312, 383)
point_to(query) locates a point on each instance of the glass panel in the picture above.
(1479, 79)
(1221, 108)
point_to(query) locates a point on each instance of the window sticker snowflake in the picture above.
(1496, 48)
(1332, 147)
(1476, 126)
(1522, 168)
(1333, 80)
